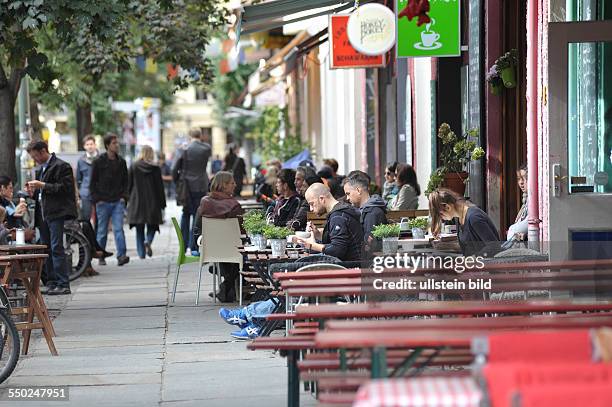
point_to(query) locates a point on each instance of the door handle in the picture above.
(558, 180)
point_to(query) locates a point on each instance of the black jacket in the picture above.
(147, 198)
(284, 210)
(58, 194)
(300, 217)
(342, 235)
(109, 179)
(373, 213)
(191, 166)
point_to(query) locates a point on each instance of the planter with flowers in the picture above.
(506, 68)
(418, 227)
(456, 153)
(495, 81)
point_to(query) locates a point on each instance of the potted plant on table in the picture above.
(389, 234)
(418, 226)
(254, 224)
(506, 67)
(278, 239)
(456, 153)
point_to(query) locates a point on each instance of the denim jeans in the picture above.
(187, 223)
(52, 235)
(140, 238)
(258, 311)
(113, 211)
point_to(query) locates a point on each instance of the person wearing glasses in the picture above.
(477, 233)
(390, 188)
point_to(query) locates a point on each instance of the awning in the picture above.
(273, 14)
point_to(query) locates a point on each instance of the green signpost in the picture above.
(439, 38)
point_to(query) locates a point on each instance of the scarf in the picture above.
(89, 158)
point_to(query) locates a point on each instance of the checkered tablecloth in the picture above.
(419, 392)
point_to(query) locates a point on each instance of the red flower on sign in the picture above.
(416, 8)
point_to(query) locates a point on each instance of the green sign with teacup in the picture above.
(428, 33)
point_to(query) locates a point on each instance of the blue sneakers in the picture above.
(248, 332)
(234, 317)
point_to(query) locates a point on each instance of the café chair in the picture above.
(182, 258)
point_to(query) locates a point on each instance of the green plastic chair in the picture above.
(181, 259)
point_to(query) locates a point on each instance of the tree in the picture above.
(98, 37)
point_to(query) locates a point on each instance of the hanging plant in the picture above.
(506, 67)
(495, 80)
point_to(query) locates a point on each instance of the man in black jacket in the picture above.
(342, 236)
(373, 208)
(191, 169)
(55, 197)
(109, 193)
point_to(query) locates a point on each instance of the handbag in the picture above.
(182, 191)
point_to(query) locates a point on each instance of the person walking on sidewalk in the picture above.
(83, 175)
(191, 169)
(54, 192)
(109, 192)
(235, 164)
(147, 200)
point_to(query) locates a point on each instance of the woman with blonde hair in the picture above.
(477, 234)
(221, 204)
(147, 200)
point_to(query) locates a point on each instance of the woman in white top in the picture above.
(409, 189)
(518, 230)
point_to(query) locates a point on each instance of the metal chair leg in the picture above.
(199, 282)
(214, 282)
(240, 290)
(178, 270)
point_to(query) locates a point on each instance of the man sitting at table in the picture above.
(342, 238)
(373, 208)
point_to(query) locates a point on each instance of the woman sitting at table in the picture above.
(409, 189)
(518, 231)
(477, 233)
(288, 202)
(220, 204)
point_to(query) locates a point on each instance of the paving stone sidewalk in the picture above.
(122, 343)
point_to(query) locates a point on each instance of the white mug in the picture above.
(20, 236)
(429, 38)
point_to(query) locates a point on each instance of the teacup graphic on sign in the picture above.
(429, 38)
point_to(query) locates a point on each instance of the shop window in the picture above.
(589, 121)
(580, 10)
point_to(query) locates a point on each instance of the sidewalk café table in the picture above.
(422, 392)
(22, 248)
(28, 268)
(260, 260)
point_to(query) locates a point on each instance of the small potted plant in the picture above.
(506, 67)
(418, 227)
(455, 154)
(389, 234)
(495, 81)
(254, 224)
(278, 239)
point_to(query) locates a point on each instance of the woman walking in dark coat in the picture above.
(147, 200)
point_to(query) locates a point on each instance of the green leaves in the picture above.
(276, 232)
(386, 230)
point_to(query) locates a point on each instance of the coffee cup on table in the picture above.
(428, 38)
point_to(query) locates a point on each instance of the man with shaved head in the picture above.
(342, 236)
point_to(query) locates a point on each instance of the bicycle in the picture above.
(9, 338)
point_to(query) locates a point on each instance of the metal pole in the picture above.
(24, 125)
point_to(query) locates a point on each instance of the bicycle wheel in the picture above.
(9, 345)
(78, 252)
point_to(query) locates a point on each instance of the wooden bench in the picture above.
(392, 216)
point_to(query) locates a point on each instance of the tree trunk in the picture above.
(34, 122)
(7, 133)
(84, 125)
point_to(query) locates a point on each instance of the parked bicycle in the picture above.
(9, 338)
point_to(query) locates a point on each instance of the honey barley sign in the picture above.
(342, 53)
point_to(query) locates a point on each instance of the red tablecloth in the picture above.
(421, 392)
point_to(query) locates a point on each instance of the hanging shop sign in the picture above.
(343, 55)
(371, 29)
(428, 28)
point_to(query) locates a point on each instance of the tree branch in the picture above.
(3, 81)
(15, 81)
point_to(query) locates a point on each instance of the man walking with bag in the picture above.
(109, 192)
(189, 174)
(55, 197)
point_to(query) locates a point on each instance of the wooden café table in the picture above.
(28, 269)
